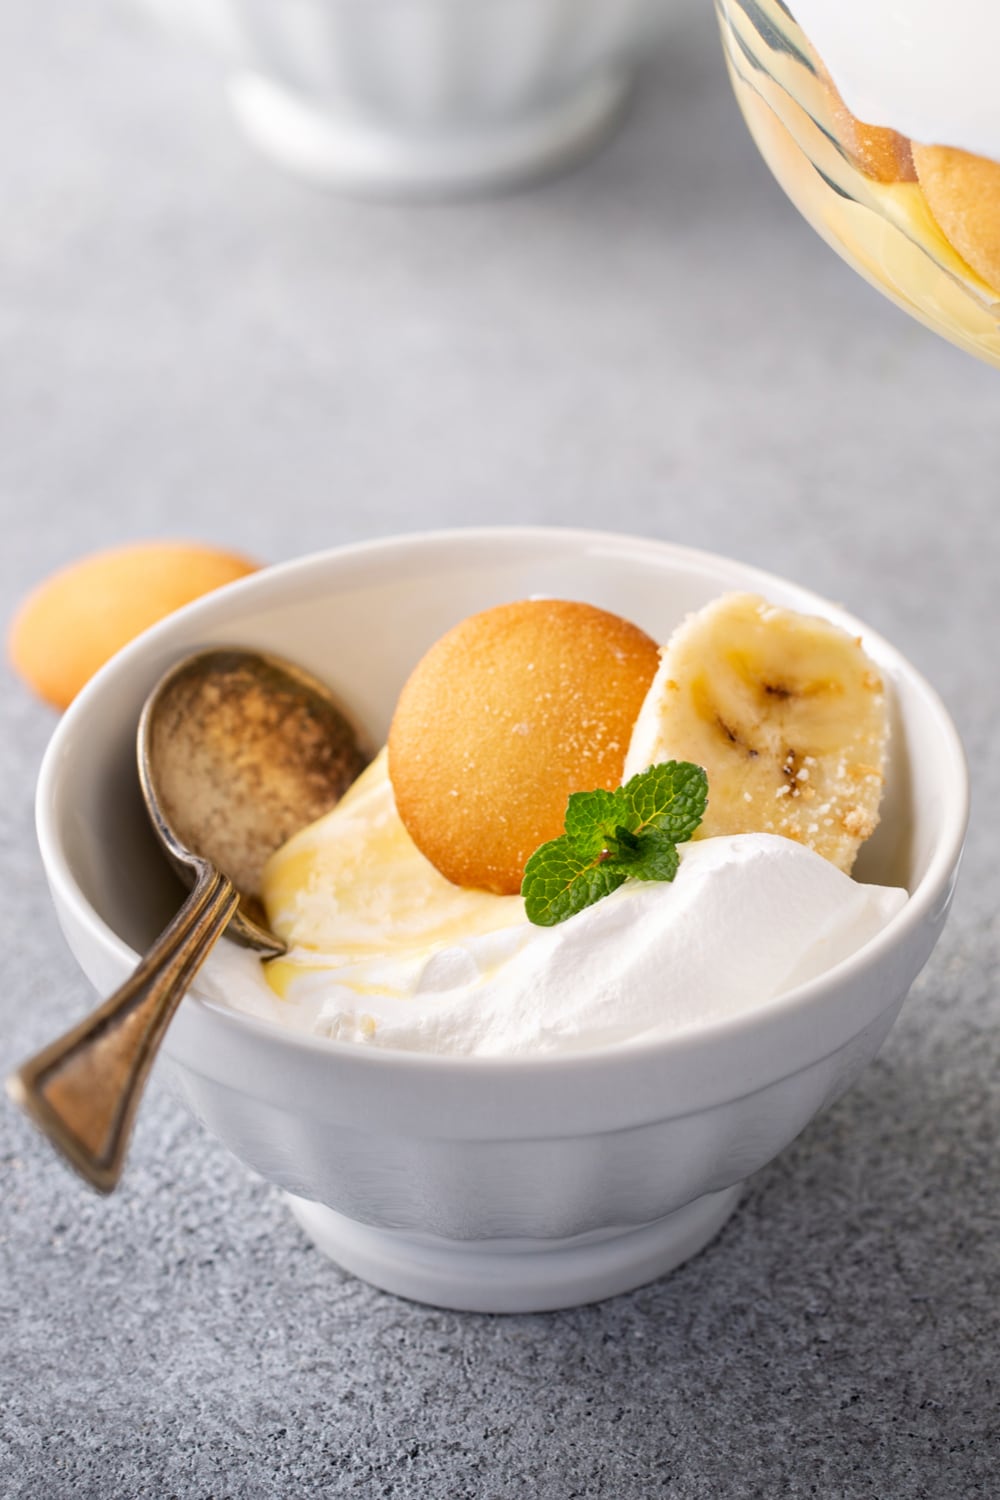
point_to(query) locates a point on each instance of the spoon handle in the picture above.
(82, 1090)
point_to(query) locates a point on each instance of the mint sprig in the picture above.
(629, 833)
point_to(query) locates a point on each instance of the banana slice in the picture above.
(787, 715)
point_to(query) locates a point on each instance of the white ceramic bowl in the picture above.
(495, 1185)
(423, 96)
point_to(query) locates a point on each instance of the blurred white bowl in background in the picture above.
(423, 97)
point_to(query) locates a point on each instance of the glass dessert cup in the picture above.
(908, 198)
(504, 1183)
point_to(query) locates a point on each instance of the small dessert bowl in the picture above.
(492, 1184)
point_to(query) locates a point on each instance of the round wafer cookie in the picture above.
(503, 718)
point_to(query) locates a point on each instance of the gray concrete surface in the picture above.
(195, 345)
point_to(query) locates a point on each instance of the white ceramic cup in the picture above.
(423, 97)
(492, 1184)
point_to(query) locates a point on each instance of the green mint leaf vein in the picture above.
(591, 815)
(672, 796)
(657, 857)
(559, 881)
(611, 836)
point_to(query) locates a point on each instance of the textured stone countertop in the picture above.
(196, 345)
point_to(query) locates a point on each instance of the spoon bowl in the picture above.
(236, 751)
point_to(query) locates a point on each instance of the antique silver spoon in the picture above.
(237, 750)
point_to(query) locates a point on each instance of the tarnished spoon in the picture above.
(237, 750)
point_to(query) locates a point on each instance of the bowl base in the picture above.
(515, 1275)
(344, 150)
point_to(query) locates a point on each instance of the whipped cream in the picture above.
(927, 70)
(386, 952)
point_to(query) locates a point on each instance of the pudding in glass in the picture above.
(882, 124)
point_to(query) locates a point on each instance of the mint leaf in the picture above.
(656, 857)
(612, 836)
(671, 796)
(591, 817)
(560, 881)
(624, 843)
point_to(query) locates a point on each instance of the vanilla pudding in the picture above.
(788, 720)
(385, 952)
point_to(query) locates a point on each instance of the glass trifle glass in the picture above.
(881, 122)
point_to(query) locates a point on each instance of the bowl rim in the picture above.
(727, 1030)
